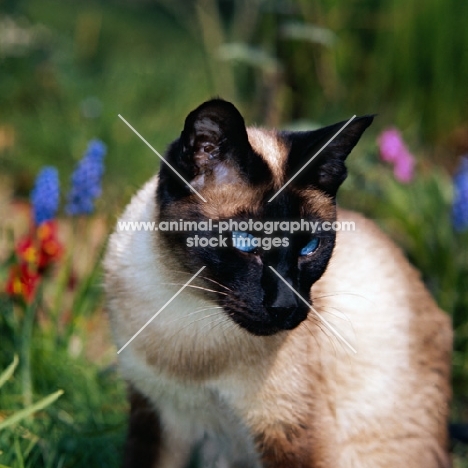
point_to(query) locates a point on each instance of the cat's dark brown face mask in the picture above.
(238, 171)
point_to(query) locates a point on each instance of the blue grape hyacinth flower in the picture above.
(86, 180)
(460, 201)
(45, 196)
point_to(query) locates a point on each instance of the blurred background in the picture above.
(67, 69)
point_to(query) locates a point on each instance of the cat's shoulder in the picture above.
(374, 262)
(360, 236)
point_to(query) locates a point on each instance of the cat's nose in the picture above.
(281, 314)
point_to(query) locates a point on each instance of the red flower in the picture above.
(22, 282)
(27, 252)
(50, 248)
(40, 248)
(35, 253)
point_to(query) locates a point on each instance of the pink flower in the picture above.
(404, 167)
(393, 150)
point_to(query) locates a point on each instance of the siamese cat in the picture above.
(325, 351)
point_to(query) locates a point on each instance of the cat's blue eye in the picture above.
(244, 241)
(310, 247)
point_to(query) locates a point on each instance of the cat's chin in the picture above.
(269, 327)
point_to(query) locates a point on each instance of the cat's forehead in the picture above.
(273, 150)
(228, 200)
(241, 196)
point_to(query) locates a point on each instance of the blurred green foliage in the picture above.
(86, 427)
(68, 68)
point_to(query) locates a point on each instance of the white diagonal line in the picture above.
(160, 310)
(312, 158)
(162, 159)
(325, 322)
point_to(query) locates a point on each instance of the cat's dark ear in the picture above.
(213, 148)
(327, 170)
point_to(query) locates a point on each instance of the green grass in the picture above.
(85, 427)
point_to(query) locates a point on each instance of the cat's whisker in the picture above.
(204, 306)
(207, 289)
(216, 282)
(212, 324)
(226, 326)
(187, 325)
(223, 319)
(339, 314)
(331, 336)
(314, 320)
(203, 318)
(184, 317)
(319, 325)
(183, 272)
(195, 287)
(311, 333)
(332, 329)
(204, 277)
(342, 293)
(345, 346)
(208, 308)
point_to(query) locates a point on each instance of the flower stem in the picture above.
(25, 353)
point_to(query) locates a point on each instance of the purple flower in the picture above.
(460, 201)
(45, 195)
(86, 180)
(393, 150)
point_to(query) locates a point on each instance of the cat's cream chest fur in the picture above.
(189, 360)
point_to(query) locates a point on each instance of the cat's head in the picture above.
(242, 174)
